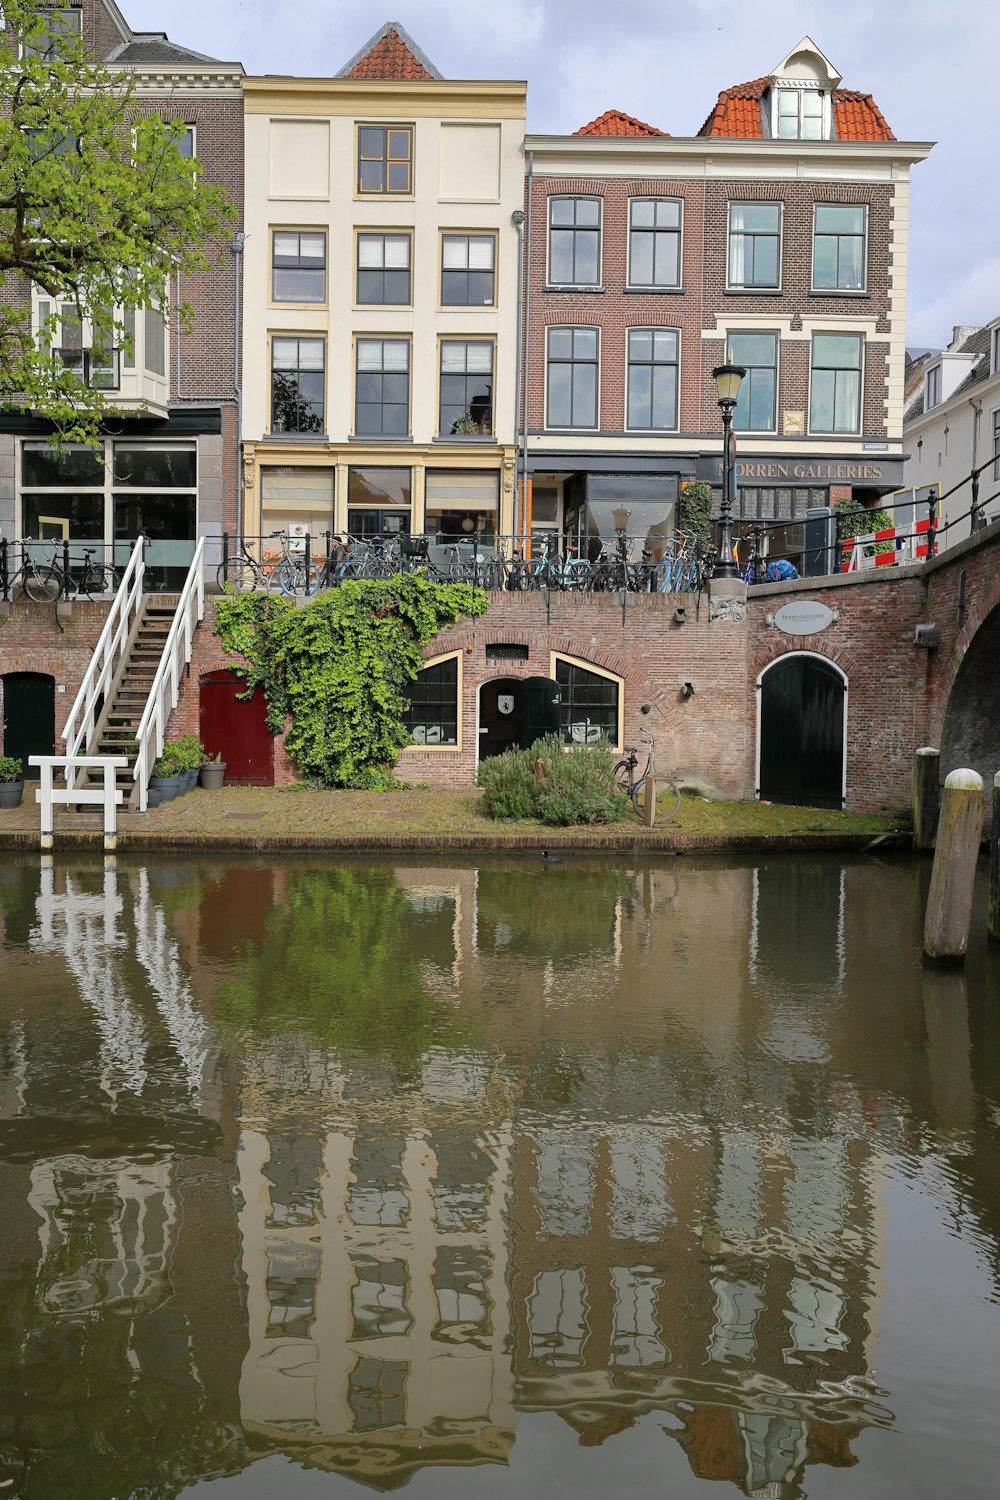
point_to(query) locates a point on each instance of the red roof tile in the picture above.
(390, 58)
(615, 122)
(737, 114)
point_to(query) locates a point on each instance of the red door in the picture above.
(236, 730)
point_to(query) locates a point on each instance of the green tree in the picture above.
(97, 208)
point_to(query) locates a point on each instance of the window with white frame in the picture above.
(572, 363)
(382, 388)
(757, 405)
(654, 243)
(755, 246)
(932, 388)
(298, 265)
(996, 445)
(996, 351)
(384, 269)
(432, 717)
(798, 114)
(574, 241)
(55, 31)
(466, 391)
(84, 345)
(468, 270)
(839, 238)
(653, 357)
(835, 386)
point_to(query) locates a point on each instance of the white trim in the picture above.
(559, 327)
(575, 198)
(653, 328)
(839, 291)
(859, 430)
(435, 661)
(818, 656)
(654, 286)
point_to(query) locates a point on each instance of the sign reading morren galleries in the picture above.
(804, 617)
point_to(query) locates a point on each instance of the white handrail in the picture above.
(108, 652)
(106, 796)
(177, 649)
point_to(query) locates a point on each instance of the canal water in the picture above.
(496, 1178)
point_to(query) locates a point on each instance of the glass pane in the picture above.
(560, 386)
(752, 348)
(479, 357)
(395, 388)
(371, 140)
(642, 259)
(812, 105)
(835, 218)
(395, 354)
(397, 286)
(821, 402)
(453, 357)
(313, 247)
(399, 177)
(370, 250)
(378, 486)
(762, 393)
(561, 210)
(765, 262)
(588, 211)
(560, 343)
(286, 244)
(851, 273)
(825, 261)
(643, 211)
(371, 286)
(299, 286)
(394, 420)
(585, 396)
(640, 343)
(561, 242)
(455, 252)
(667, 271)
(397, 251)
(369, 386)
(585, 343)
(668, 213)
(399, 145)
(837, 351)
(479, 289)
(587, 259)
(761, 217)
(285, 354)
(41, 465)
(665, 344)
(311, 354)
(848, 392)
(372, 176)
(640, 397)
(162, 465)
(369, 354)
(665, 396)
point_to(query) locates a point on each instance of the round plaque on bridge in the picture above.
(804, 617)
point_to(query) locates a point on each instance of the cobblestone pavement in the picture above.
(302, 818)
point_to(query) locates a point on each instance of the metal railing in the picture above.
(163, 693)
(105, 661)
(106, 796)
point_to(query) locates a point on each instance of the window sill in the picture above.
(654, 291)
(297, 437)
(587, 291)
(458, 439)
(832, 291)
(754, 291)
(378, 438)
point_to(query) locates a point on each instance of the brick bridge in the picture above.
(899, 694)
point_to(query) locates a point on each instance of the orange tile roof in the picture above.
(737, 114)
(390, 58)
(615, 122)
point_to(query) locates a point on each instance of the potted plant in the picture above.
(11, 781)
(213, 772)
(166, 777)
(190, 753)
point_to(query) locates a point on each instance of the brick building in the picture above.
(776, 238)
(170, 467)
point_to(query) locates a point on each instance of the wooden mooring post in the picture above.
(993, 914)
(926, 797)
(949, 901)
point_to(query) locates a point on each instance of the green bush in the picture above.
(857, 521)
(577, 785)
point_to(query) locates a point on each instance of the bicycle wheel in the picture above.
(41, 585)
(668, 800)
(622, 772)
(98, 581)
(238, 573)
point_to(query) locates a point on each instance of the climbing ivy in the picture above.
(339, 668)
(857, 521)
(696, 510)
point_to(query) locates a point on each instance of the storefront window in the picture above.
(649, 499)
(296, 500)
(432, 718)
(378, 501)
(461, 506)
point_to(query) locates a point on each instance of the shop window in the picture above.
(432, 718)
(462, 505)
(296, 499)
(378, 501)
(591, 703)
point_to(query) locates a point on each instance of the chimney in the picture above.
(959, 334)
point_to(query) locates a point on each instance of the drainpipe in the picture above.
(527, 348)
(239, 241)
(520, 485)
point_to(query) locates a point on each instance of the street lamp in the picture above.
(727, 385)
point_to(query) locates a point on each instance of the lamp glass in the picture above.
(621, 516)
(728, 379)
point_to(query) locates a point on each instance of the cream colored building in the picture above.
(381, 295)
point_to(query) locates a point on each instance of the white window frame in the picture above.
(801, 87)
(841, 291)
(761, 431)
(838, 333)
(653, 328)
(932, 397)
(576, 198)
(655, 287)
(753, 287)
(437, 661)
(589, 327)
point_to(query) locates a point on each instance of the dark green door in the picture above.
(541, 698)
(29, 717)
(802, 733)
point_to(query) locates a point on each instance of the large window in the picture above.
(652, 378)
(757, 407)
(755, 245)
(385, 159)
(468, 270)
(384, 269)
(574, 241)
(378, 501)
(572, 369)
(839, 247)
(590, 704)
(298, 384)
(466, 407)
(298, 265)
(835, 391)
(799, 115)
(460, 505)
(996, 445)
(654, 244)
(382, 391)
(57, 30)
(432, 718)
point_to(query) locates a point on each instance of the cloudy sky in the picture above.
(930, 65)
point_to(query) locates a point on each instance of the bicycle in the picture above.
(293, 575)
(40, 582)
(244, 573)
(95, 580)
(634, 786)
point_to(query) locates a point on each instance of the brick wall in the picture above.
(31, 641)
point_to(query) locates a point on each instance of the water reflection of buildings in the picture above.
(583, 1181)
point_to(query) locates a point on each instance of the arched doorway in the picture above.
(514, 712)
(29, 717)
(801, 741)
(971, 734)
(237, 730)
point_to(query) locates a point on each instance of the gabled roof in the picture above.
(737, 114)
(616, 122)
(154, 47)
(979, 346)
(391, 54)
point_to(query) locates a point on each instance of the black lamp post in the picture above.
(728, 379)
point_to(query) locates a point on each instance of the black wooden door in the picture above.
(540, 709)
(29, 717)
(802, 733)
(499, 716)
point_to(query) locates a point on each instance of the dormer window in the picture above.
(799, 114)
(996, 351)
(932, 388)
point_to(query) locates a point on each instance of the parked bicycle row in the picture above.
(304, 564)
(45, 570)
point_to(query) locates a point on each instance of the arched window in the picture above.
(592, 701)
(434, 718)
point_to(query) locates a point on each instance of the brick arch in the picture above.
(970, 719)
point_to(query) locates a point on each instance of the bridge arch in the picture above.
(971, 730)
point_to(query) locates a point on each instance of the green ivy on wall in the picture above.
(339, 668)
(857, 521)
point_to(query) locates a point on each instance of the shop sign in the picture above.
(804, 617)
